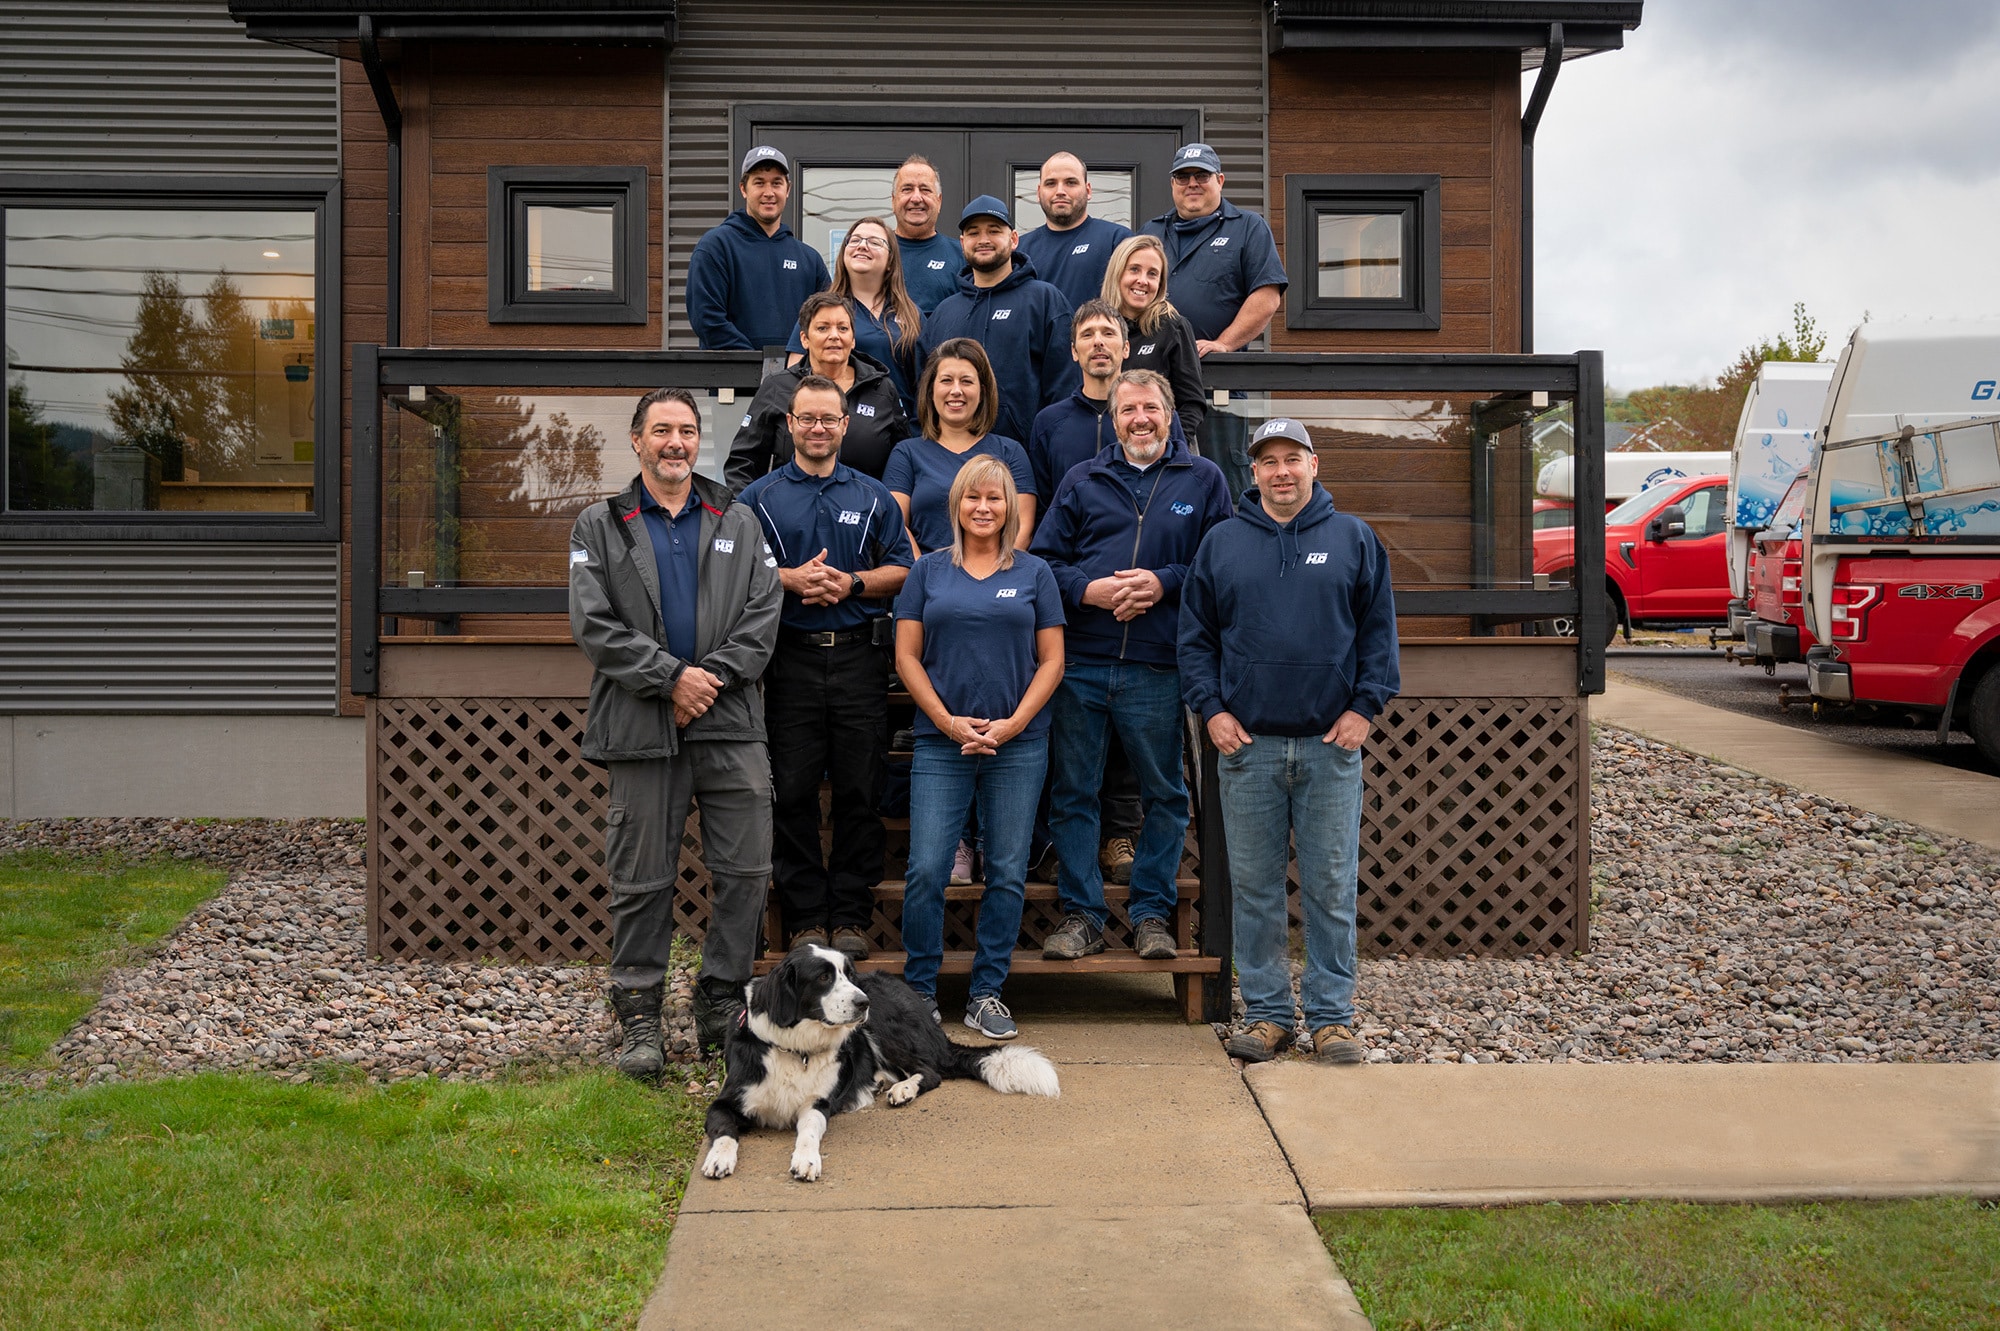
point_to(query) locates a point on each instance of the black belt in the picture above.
(831, 638)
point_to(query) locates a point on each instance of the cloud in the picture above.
(1736, 158)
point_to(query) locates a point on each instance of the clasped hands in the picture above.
(1127, 594)
(979, 738)
(817, 582)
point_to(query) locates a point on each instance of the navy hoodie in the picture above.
(1287, 627)
(744, 288)
(1095, 528)
(1023, 323)
(1072, 431)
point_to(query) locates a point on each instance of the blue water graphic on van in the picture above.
(1765, 473)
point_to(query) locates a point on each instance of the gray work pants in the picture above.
(731, 782)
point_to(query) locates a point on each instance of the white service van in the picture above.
(1626, 474)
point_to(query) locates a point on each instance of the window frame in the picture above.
(511, 190)
(319, 195)
(1418, 198)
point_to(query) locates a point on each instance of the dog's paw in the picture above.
(721, 1162)
(805, 1165)
(905, 1090)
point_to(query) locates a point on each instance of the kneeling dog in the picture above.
(816, 1040)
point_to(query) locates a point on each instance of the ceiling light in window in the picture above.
(271, 254)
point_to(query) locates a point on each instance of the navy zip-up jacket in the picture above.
(744, 288)
(1073, 431)
(1023, 323)
(1287, 627)
(1096, 528)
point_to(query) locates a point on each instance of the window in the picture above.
(1110, 197)
(566, 245)
(1703, 512)
(164, 358)
(1363, 252)
(833, 198)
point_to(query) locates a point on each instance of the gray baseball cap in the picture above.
(1279, 427)
(1196, 157)
(763, 155)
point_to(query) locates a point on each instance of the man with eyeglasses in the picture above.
(1071, 249)
(931, 260)
(842, 555)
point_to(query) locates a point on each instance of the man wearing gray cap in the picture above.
(748, 276)
(1287, 652)
(1226, 278)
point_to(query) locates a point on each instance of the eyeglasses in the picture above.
(867, 243)
(818, 422)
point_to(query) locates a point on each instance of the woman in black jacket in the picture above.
(1157, 338)
(875, 420)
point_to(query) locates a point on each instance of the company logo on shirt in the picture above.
(1147, 350)
(792, 264)
(1184, 509)
(1218, 242)
(746, 418)
(1082, 249)
(1001, 314)
(1004, 594)
(1316, 557)
(724, 547)
(863, 409)
(849, 518)
(936, 265)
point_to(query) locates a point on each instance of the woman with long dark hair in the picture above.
(868, 271)
(957, 403)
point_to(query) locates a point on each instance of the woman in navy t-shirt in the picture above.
(957, 403)
(979, 645)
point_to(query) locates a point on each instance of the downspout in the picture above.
(1531, 120)
(392, 121)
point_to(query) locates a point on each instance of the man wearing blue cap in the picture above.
(748, 276)
(1287, 653)
(1022, 322)
(1226, 278)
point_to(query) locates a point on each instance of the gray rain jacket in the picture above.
(614, 615)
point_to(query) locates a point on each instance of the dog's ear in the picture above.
(780, 992)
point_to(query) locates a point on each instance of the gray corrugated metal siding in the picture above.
(158, 87)
(146, 627)
(1032, 53)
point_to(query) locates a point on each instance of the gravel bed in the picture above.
(272, 974)
(1734, 919)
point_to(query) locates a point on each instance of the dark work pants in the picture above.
(826, 710)
(731, 781)
(1225, 439)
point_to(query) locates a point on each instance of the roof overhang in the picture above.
(1589, 26)
(325, 25)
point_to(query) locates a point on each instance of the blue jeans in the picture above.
(1143, 704)
(945, 785)
(1273, 790)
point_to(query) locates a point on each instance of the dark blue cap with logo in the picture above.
(763, 155)
(1196, 157)
(985, 206)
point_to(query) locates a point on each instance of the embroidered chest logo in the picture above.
(1184, 509)
(746, 418)
(937, 265)
(863, 409)
(724, 547)
(1004, 594)
(998, 315)
(1147, 350)
(1316, 557)
(849, 518)
(792, 264)
(1218, 242)
(1082, 249)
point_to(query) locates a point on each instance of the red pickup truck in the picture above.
(1778, 632)
(1665, 560)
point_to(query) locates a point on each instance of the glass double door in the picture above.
(842, 175)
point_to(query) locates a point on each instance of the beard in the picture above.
(993, 265)
(1143, 454)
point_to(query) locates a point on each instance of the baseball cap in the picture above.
(1279, 427)
(985, 206)
(1196, 157)
(763, 155)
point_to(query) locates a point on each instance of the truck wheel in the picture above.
(1610, 619)
(1983, 716)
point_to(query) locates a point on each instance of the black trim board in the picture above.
(511, 190)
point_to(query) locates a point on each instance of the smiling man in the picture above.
(1071, 249)
(931, 259)
(747, 277)
(1287, 653)
(674, 597)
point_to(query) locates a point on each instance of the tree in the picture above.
(191, 394)
(42, 475)
(1707, 413)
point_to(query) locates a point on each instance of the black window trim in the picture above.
(1418, 197)
(321, 194)
(509, 192)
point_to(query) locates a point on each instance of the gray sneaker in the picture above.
(990, 1017)
(1078, 937)
(1153, 940)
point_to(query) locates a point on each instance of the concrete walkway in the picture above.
(1944, 799)
(1152, 1193)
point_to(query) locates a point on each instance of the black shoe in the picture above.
(717, 1005)
(638, 1011)
(1152, 940)
(903, 741)
(1077, 937)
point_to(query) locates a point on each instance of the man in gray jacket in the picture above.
(674, 597)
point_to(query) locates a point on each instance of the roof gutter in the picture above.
(392, 121)
(1531, 120)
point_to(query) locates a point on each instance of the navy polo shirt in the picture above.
(1073, 261)
(677, 556)
(930, 269)
(1139, 482)
(1215, 262)
(849, 514)
(924, 469)
(979, 634)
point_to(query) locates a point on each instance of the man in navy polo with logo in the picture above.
(1226, 278)
(1288, 653)
(1022, 321)
(747, 277)
(842, 555)
(931, 259)
(1071, 249)
(1119, 538)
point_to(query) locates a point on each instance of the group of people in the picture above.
(1007, 490)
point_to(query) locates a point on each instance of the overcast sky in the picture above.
(1740, 155)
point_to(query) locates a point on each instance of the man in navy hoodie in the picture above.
(1287, 653)
(1022, 322)
(1119, 538)
(1071, 249)
(748, 276)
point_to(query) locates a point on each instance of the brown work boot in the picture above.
(1114, 858)
(1260, 1043)
(815, 935)
(1336, 1044)
(1153, 940)
(851, 941)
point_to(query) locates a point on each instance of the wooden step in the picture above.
(891, 889)
(1114, 962)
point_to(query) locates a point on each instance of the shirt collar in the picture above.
(792, 471)
(649, 504)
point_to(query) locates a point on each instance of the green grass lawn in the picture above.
(65, 921)
(1658, 1265)
(245, 1202)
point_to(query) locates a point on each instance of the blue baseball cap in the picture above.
(1196, 157)
(986, 206)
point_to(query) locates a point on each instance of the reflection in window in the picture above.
(834, 197)
(1360, 256)
(1110, 198)
(572, 247)
(160, 360)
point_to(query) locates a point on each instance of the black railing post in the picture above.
(365, 515)
(1591, 609)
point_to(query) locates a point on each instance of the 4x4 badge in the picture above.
(1932, 591)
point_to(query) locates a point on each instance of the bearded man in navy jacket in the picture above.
(747, 277)
(1119, 538)
(1287, 653)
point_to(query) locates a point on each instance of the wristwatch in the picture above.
(859, 587)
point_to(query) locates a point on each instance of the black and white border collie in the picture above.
(818, 1040)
